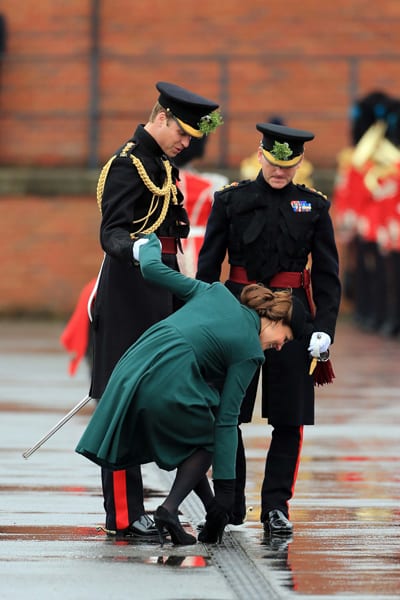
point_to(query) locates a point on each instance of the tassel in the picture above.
(323, 373)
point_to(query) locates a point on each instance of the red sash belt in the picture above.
(323, 372)
(169, 245)
(293, 279)
(239, 275)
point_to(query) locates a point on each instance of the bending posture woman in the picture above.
(174, 396)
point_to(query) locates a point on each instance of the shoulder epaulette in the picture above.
(234, 184)
(228, 185)
(127, 149)
(104, 172)
(311, 190)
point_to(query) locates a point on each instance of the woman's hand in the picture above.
(140, 242)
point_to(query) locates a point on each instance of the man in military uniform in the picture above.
(137, 194)
(271, 227)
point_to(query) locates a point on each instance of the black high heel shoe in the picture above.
(213, 530)
(164, 519)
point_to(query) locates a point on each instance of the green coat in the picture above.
(158, 405)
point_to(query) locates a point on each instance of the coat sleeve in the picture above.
(155, 271)
(213, 250)
(326, 286)
(122, 191)
(236, 382)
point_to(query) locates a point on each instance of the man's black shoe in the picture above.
(277, 523)
(143, 528)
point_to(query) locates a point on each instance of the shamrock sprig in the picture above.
(281, 151)
(209, 123)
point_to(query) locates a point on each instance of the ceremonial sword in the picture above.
(57, 426)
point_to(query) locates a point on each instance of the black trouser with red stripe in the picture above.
(123, 497)
(281, 468)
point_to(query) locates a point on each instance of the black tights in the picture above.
(190, 475)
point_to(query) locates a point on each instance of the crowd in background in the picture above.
(366, 201)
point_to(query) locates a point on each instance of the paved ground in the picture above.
(346, 510)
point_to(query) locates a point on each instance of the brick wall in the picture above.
(304, 60)
(49, 250)
(77, 76)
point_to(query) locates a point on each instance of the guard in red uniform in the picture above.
(358, 201)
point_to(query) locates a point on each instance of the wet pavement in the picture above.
(346, 511)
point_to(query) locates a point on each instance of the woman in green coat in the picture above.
(174, 396)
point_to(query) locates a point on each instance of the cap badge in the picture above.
(281, 151)
(210, 122)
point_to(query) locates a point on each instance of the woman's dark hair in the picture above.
(276, 306)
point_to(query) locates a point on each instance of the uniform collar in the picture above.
(265, 186)
(148, 144)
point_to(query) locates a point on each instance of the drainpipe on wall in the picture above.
(93, 159)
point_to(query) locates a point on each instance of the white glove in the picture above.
(136, 247)
(319, 343)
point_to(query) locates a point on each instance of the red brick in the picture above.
(305, 61)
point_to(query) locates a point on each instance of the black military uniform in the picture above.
(269, 235)
(137, 193)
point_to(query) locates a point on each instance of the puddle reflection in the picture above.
(32, 532)
(51, 534)
(178, 561)
(174, 561)
(345, 513)
(330, 564)
(277, 554)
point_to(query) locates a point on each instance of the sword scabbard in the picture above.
(57, 426)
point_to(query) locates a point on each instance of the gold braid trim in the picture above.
(168, 192)
(102, 181)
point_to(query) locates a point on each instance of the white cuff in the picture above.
(136, 247)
